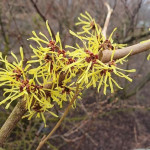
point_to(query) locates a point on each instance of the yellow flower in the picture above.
(88, 24)
(17, 84)
(39, 109)
(51, 58)
(66, 93)
(12, 76)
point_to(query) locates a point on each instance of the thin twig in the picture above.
(110, 10)
(76, 128)
(141, 84)
(41, 15)
(132, 38)
(6, 40)
(60, 121)
(19, 34)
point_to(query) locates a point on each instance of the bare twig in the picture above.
(6, 40)
(38, 11)
(104, 31)
(72, 140)
(132, 15)
(44, 139)
(135, 37)
(41, 15)
(76, 128)
(145, 80)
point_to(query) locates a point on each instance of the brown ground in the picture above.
(119, 126)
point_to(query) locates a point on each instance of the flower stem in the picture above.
(43, 140)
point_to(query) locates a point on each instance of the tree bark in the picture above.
(12, 121)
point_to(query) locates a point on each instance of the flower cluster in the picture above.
(51, 77)
(93, 72)
(51, 59)
(17, 83)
